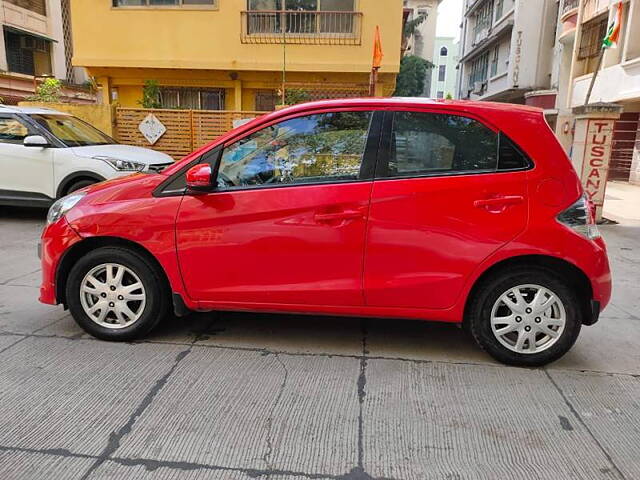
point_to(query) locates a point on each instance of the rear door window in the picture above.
(434, 144)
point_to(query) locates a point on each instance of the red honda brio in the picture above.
(462, 212)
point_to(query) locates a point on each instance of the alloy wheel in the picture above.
(112, 295)
(528, 319)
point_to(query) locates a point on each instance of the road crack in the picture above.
(267, 455)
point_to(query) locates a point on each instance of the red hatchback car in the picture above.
(404, 208)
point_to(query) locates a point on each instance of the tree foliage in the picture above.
(413, 73)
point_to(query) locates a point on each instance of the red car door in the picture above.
(287, 222)
(442, 201)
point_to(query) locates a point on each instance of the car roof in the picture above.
(415, 102)
(29, 110)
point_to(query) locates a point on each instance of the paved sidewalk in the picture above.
(245, 396)
(622, 203)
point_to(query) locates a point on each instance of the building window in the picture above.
(479, 68)
(192, 98)
(266, 100)
(499, 8)
(27, 54)
(444, 52)
(442, 73)
(592, 34)
(37, 6)
(483, 21)
(440, 94)
(300, 16)
(161, 3)
(494, 61)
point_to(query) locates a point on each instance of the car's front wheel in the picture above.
(525, 317)
(116, 294)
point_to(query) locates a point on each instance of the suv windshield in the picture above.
(72, 131)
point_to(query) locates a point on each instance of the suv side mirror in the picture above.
(199, 178)
(36, 141)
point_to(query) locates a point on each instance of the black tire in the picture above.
(157, 305)
(478, 319)
(78, 185)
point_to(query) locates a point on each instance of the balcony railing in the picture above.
(568, 5)
(302, 27)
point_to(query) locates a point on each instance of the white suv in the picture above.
(46, 154)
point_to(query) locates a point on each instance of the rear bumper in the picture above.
(56, 239)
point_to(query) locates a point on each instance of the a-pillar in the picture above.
(591, 149)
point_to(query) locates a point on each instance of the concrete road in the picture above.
(244, 396)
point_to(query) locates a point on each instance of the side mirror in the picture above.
(199, 178)
(36, 141)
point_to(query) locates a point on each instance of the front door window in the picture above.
(320, 148)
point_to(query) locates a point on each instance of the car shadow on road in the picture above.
(306, 334)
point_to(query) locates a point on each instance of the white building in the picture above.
(421, 43)
(617, 82)
(445, 73)
(506, 48)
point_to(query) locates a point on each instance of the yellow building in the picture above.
(229, 54)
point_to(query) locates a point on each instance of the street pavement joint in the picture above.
(614, 467)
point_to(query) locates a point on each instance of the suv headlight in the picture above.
(62, 206)
(122, 165)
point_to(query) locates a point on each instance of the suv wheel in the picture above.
(78, 185)
(525, 317)
(116, 294)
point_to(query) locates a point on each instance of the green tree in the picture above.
(48, 91)
(150, 95)
(413, 72)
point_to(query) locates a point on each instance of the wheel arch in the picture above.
(91, 243)
(74, 177)
(558, 266)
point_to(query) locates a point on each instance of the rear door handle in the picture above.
(337, 216)
(502, 201)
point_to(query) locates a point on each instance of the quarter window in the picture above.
(428, 143)
(312, 149)
(12, 130)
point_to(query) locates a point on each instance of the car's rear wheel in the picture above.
(525, 316)
(116, 294)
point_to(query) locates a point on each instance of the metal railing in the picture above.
(306, 27)
(568, 5)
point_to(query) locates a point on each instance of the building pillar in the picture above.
(592, 148)
(104, 87)
(634, 176)
(237, 95)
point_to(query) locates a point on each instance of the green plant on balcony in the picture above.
(48, 91)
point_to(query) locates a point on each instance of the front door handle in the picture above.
(338, 216)
(498, 202)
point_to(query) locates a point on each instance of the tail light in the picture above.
(581, 218)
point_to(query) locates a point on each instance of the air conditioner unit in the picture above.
(478, 87)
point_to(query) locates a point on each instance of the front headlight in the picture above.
(122, 165)
(62, 206)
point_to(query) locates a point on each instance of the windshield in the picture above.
(72, 131)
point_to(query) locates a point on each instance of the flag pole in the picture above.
(595, 74)
(373, 80)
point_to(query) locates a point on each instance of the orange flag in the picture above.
(377, 49)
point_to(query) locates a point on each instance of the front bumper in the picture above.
(56, 240)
